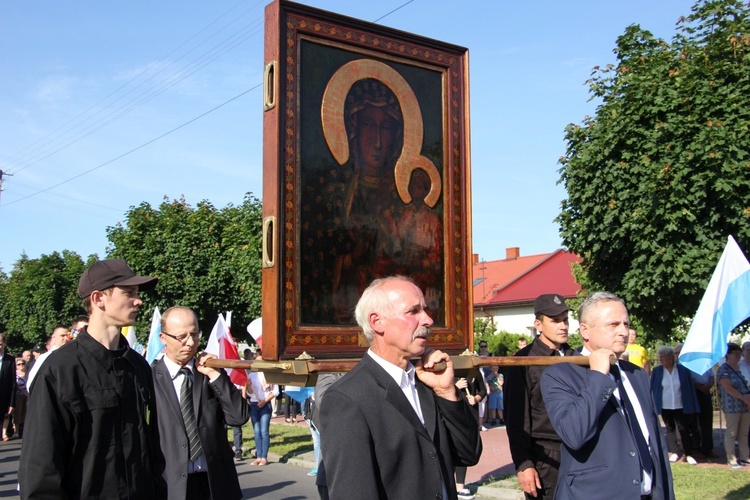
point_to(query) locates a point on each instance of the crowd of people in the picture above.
(98, 421)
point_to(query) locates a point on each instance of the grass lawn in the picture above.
(707, 482)
(703, 482)
(286, 440)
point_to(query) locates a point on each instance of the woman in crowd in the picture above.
(260, 394)
(475, 392)
(22, 396)
(735, 396)
(676, 402)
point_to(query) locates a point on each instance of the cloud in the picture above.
(55, 89)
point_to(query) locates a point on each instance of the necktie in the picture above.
(635, 429)
(188, 415)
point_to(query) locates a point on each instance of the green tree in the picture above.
(39, 294)
(659, 178)
(205, 258)
(498, 343)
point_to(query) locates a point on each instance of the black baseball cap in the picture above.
(104, 274)
(550, 304)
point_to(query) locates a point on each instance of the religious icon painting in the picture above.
(365, 175)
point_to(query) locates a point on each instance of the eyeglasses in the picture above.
(483, 346)
(183, 340)
(21, 363)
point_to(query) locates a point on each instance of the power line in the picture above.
(394, 10)
(195, 65)
(42, 151)
(158, 89)
(134, 149)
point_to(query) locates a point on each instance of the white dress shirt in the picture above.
(174, 371)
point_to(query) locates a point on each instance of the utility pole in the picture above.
(1, 182)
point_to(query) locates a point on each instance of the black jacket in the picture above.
(526, 416)
(7, 383)
(374, 445)
(90, 428)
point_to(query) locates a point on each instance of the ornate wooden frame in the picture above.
(312, 59)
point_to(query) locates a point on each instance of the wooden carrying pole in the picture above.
(344, 365)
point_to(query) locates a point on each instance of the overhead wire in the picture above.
(158, 89)
(197, 68)
(62, 141)
(134, 149)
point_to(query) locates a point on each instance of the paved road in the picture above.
(273, 482)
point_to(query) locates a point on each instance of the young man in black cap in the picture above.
(534, 445)
(91, 428)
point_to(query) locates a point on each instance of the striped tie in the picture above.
(188, 415)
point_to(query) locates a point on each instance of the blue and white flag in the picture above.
(155, 345)
(299, 394)
(725, 305)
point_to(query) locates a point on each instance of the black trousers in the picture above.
(546, 457)
(676, 421)
(705, 421)
(197, 486)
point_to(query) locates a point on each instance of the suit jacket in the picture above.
(216, 404)
(7, 383)
(375, 447)
(599, 453)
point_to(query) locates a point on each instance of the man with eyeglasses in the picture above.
(90, 429)
(196, 403)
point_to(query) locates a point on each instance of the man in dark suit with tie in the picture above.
(390, 429)
(612, 443)
(195, 402)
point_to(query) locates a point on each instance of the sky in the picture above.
(106, 105)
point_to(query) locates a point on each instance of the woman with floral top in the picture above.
(735, 396)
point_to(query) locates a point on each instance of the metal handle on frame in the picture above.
(269, 241)
(269, 86)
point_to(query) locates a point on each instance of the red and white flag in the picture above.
(255, 329)
(222, 345)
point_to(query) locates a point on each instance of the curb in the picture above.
(501, 493)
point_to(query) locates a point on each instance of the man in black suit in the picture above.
(612, 443)
(7, 383)
(199, 459)
(390, 429)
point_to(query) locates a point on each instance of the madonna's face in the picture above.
(376, 135)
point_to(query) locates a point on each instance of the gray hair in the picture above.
(665, 351)
(593, 300)
(375, 299)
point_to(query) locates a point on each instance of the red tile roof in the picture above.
(521, 280)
